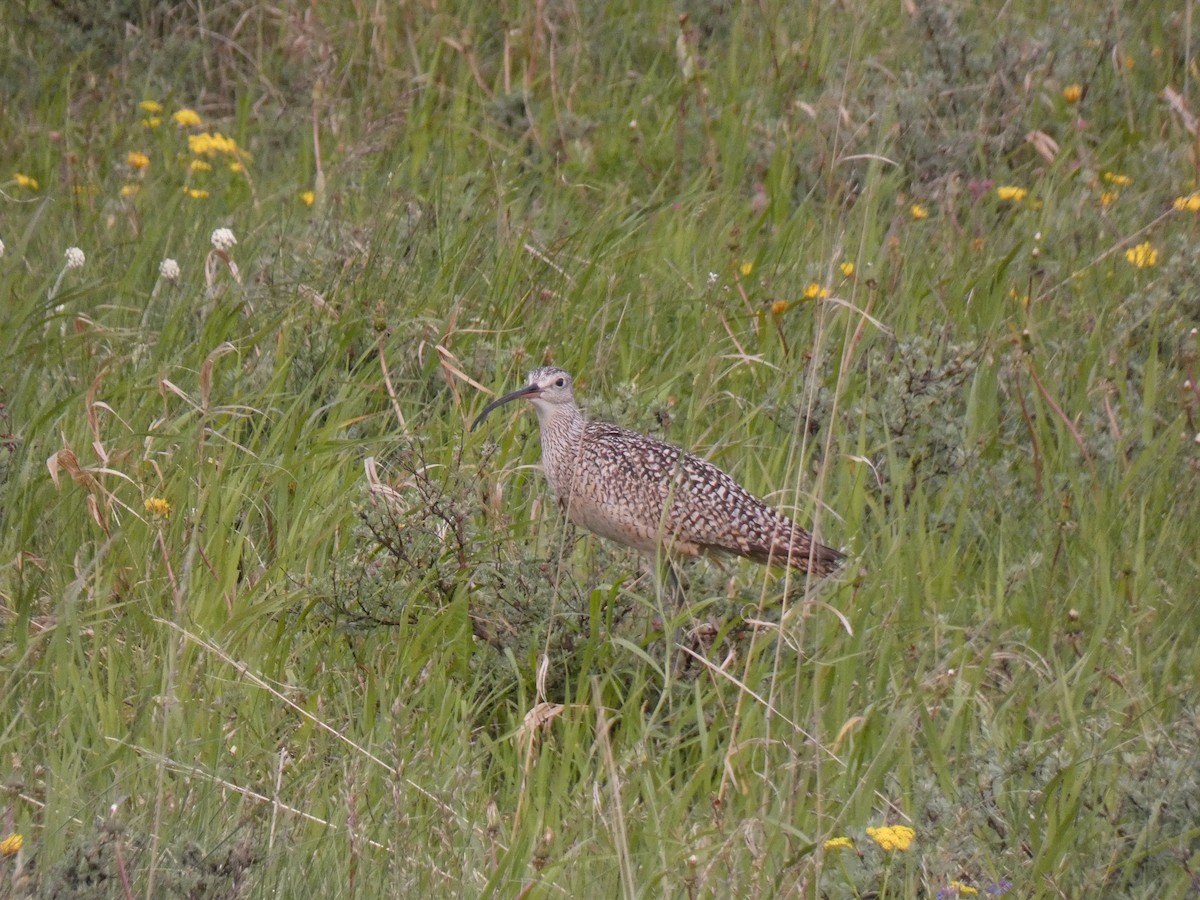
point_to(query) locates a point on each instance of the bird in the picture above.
(653, 496)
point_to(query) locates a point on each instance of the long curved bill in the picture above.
(530, 390)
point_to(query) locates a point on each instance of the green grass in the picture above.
(361, 655)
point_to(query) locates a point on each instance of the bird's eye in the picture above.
(560, 382)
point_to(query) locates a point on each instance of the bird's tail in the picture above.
(800, 551)
(820, 560)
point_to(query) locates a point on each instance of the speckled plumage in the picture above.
(648, 494)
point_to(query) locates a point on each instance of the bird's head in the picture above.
(549, 387)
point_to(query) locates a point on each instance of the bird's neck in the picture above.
(560, 425)
(562, 435)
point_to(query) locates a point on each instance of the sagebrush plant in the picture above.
(275, 622)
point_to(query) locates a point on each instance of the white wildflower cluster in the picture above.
(223, 239)
(169, 269)
(75, 258)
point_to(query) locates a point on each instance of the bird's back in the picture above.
(648, 494)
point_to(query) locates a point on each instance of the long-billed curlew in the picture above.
(653, 496)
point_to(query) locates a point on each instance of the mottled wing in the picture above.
(652, 494)
(717, 513)
(620, 486)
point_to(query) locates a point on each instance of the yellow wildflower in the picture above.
(153, 107)
(815, 292)
(196, 193)
(746, 268)
(235, 167)
(1108, 198)
(1190, 203)
(957, 888)
(847, 269)
(308, 198)
(12, 845)
(211, 144)
(1143, 256)
(187, 118)
(918, 212)
(129, 190)
(1073, 93)
(26, 182)
(1023, 299)
(158, 507)
(199, 165)
(892, 837)
(839, 843)
(151, 122)
(1118, 180)
(1011, 194)
(137, 160)
(779, 307)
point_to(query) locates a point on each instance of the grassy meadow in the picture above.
(274, 622)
